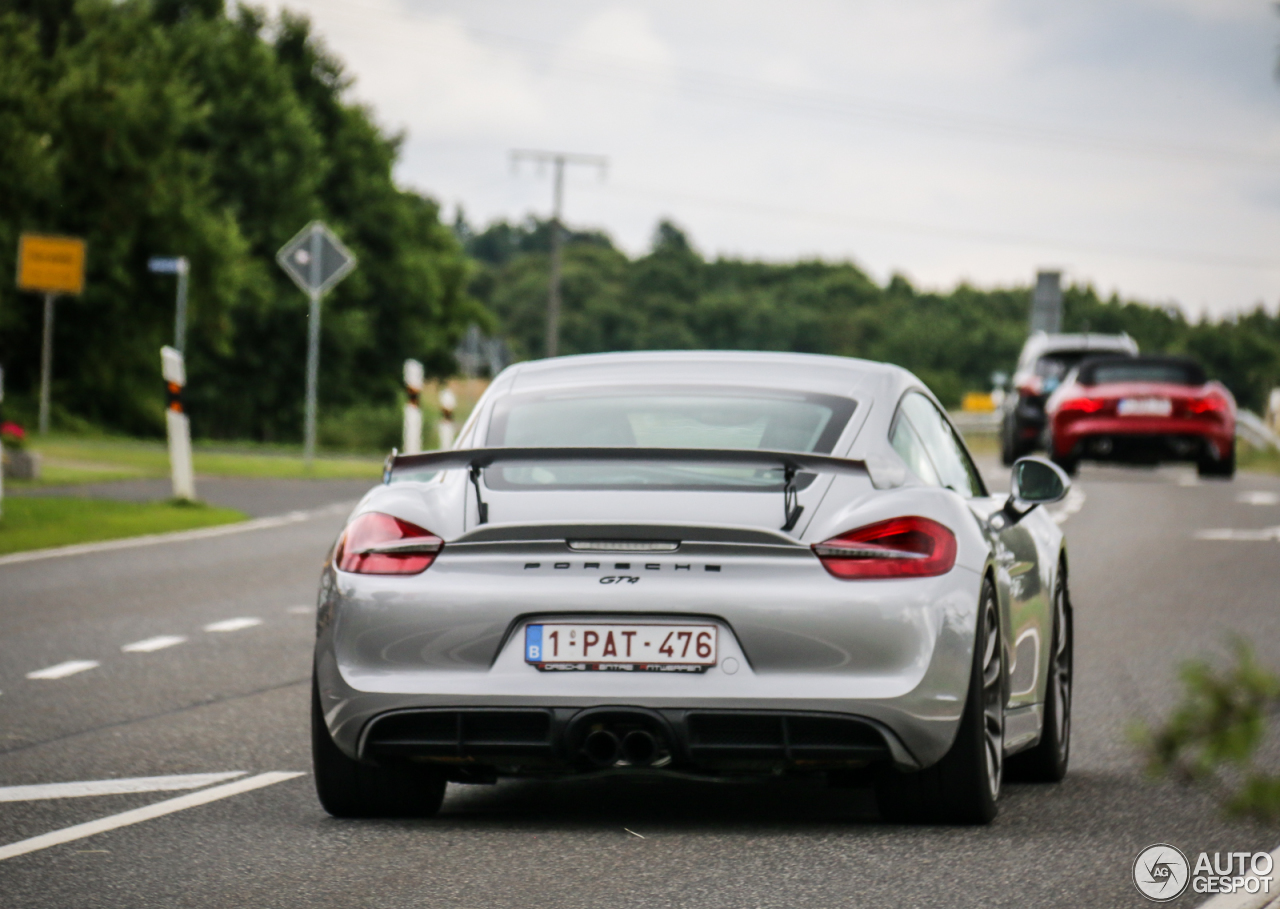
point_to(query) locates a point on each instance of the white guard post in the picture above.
(175, 377)
(444, 429)
(412, 410)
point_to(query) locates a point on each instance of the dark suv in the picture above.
(1044, 363)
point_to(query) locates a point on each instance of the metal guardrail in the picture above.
(1251, 428)
(975, 421)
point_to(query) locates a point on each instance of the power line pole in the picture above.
(557, 160)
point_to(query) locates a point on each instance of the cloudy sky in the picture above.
(1134, 144)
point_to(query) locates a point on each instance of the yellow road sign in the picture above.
(52, 265)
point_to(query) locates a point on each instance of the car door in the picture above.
(1025, 606)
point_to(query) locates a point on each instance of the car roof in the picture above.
(1041, 343)
(762, 369)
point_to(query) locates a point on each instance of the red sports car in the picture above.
(1143, 410)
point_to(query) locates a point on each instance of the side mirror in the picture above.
(1038, 481)
(1035, 481)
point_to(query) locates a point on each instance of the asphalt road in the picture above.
(1147, 594)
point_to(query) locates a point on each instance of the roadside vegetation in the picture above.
(37, 522)
(1263, 460)
(1220, 738)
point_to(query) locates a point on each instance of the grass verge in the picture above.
(70, 460)
(32, 522)
(1257, 459)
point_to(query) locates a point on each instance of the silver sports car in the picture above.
(711, 564)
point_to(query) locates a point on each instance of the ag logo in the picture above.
(1161, 872)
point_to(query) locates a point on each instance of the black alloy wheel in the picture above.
(1047, 761)
(963, 787)
(348, 788)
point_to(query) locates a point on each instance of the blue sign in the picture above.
(167, 265)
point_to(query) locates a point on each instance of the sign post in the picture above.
(52, 266)
(175, 265)
(412, 409)
(174, 369)
(316, 260)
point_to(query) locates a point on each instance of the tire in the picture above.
(1070, 465)
(1225, 467)
(1047, 761)
(1008, 450)
(963, 787)
(348, 788)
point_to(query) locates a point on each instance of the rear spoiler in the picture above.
(476, 459)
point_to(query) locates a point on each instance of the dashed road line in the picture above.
(41, 791)
(149, 645)
(138, 815)
(1070, 505)
(62, 670)
(302, 610)
(233, 624)
(1258, 497)
(1263, 534)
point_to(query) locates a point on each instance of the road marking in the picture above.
(233, 624)
(1189, 479)
(302, 610)
(62, 670)
(138, 815)
(1264, 534)
(1258, 497)
(181, 536)
(160, 642)
(113, 787)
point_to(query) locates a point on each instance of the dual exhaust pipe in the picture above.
(604, 749)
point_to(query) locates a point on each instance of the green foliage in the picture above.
(155, 127)
(1212, 738)
(38, 522)
(674, 298)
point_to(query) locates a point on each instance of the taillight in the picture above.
(910, 547)
(1209, 406)
(1081, 405)
(377, 543)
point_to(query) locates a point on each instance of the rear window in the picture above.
(662, 417)
(1169, 370)
(1057, 364)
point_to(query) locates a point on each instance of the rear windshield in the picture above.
(1057, 364)
(1142, 369)
(662, 417)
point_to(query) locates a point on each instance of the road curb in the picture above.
(178, 536)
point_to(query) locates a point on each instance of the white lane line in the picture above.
(113, 787)
(233, 624)
(1258, 497)
(302, 610)
(149, 645)
(181, 536)
(62, 670)
(138, 815)
(1264, 534)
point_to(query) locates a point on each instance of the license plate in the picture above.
(1145, 407)
(621, 648)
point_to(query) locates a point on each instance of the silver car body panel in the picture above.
(897, 652)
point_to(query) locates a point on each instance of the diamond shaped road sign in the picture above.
(316, 259)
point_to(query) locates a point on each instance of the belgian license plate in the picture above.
(621, 648)
(1145, 407)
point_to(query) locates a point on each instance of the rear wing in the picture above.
(477, 459)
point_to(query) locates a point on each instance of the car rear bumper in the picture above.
(1141, 440)
(890, 657)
